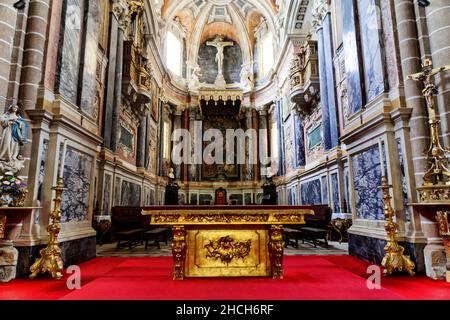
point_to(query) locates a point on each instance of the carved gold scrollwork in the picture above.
(226, 249)
(179, 252)
(276, 249)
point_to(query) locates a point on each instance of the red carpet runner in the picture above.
(149, 278)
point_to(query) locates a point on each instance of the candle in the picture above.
(383, 172)
(63, 159)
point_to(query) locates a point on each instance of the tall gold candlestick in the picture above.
(50, 260)
(394, 259)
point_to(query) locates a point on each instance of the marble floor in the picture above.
(109, 250)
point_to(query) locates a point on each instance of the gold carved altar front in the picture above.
(237, 241)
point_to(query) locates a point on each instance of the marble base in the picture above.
(435, 261)
(8, 261)
(73, 252)
(372, 250)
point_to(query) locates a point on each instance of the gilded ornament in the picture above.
(50, 260)
(394, 259)
(226, 249)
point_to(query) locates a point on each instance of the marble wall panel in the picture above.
(206, 199)
(130, 194)
(70, 44)
(247, 198)
(90, 58)
(290, 145)
(324, 189)
(323, 88)
(366, 180)
(107, 194)
(236, 198)
(193, 198)
(152, 197)
(311, 192)
(335, 190)
(299, 142)
(373, 57)
(41, 176)
(352, 63)
(347, 199)
(117, 192)
(404, 181)
(77, 180)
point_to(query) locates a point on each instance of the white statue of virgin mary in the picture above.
(13, 136)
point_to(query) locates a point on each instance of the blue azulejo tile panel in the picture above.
(311, 192)
(335, 189)
(366, 180)
(352, 71)
(77, 173)
(370, 27)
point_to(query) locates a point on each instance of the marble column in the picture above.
(263, 139)
(255, 147)
(185, 122)
(299, 139)
(141, 139)
(323, 89)
(111, 79)
(279, 111)
(437, 14)
(410, 60)
(177, 126)
(249, 172)
(192, 166)
(115, 127)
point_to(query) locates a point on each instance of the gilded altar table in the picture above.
(227, 241)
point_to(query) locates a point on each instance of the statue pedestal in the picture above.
(220, 82)
(171, 197)
(270, 194)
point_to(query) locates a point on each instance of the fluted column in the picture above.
(410, 59)
(438, 13)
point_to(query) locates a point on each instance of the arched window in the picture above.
(267, 56)
(174, 54)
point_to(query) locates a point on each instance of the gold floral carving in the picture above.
(276, 249)
(179, 252)
(228, 216)
(226, 249)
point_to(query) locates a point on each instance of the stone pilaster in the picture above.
(437, 15)
(410, 60)
(192, 174)
(249, 170)
(117, 92)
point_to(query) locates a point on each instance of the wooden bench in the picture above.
(313, 234)
(158, 235)
(314, 229)
(131, 237)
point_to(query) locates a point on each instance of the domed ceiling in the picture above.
(235, 20)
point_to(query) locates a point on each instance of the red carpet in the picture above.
(149, 278)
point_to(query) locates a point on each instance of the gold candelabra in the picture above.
(50, 260)
(394, 259)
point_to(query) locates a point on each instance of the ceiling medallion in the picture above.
(219, 2)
